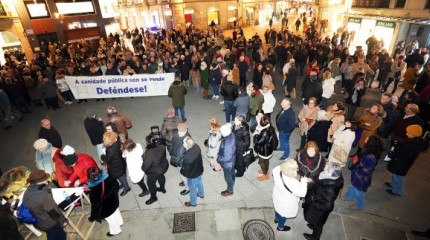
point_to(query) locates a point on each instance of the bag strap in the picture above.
(285, 185)
(103, 188)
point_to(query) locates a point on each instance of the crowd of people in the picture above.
(241, 75)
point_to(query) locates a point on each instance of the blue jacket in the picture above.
(227, 151)
(286, 122)
(388, 122)
(361, 176)
(215, 76)
(242, 103)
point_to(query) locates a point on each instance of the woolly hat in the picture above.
(67, 150)
(415, 130)
(225, 130)
(69, 160)
(40, 144)
(182, 127)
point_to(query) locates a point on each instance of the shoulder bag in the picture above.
(285, 185)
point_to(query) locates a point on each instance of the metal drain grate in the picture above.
(184, 222)
(257, 229)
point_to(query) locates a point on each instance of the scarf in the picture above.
(354, 97)
(98, 180)
(44, 159)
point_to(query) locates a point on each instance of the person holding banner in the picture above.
(177, 92)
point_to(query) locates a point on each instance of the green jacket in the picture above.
(205, 78)
(256, 102)
(177, 92)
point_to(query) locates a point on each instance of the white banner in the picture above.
(139, 85)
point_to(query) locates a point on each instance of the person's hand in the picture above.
(11, 200)
(67, 183)
(358, 87)
(65, 224)
(367, 124)
(100, 119)
(310, 180)
(77, 183)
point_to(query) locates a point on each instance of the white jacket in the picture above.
(343, 139)
(62, 85)
(286, 203)
(269, 102)
(134, 163)
(328, 87)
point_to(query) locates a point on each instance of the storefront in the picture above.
(265, 12)
(250, 15)
(232, 15)
(213, 15)
(361, 29)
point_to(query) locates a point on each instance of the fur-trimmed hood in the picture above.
(382, 114)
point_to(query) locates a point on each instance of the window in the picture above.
(371, 3)
(71, 8)
(400, 3)
(37, 9)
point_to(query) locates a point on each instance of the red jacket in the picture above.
(80, 169)
(62, 171)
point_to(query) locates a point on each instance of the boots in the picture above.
(263, 177)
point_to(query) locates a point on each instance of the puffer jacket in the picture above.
(263, 142)
(319, 202)
(227, 151)
(80, 169)
(154, 160)
(214, 143)
(169, 128)
(116, 164)
(243, 138)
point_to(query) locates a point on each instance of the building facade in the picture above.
(389, 20)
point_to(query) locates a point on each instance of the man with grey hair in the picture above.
(192, 169)
(285, 122)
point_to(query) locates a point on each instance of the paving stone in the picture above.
(227, 219)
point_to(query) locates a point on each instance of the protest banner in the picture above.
(138, 85)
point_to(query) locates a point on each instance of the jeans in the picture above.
(302, 67)
(230, 110)
(123, 181)
(67, 95)
(243, 114)
(397, 183)
(253, 123)
(152, 180)
(100, 151)
(195, 184)
(284, 139)
(215, 90)
(302, 141)
(355, 193)
(229, 176)
(196, 84)
(182, 109)
(281, 220)
(324, 103)
(56, 233)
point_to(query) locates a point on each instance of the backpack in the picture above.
(24, 214)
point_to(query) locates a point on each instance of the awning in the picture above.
(398, 19)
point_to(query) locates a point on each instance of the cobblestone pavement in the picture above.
(384, 217)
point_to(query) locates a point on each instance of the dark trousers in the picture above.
(351, 111)
(142, 185)
(67, 95)
(390, 80)
(242, 81)
(317, 231)
(240, 164)
(56, 233)
(264, 164)
(123, 181)
(302, 141)
(151, 184)
(52, 103)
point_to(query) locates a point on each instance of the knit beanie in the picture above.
(415, 130)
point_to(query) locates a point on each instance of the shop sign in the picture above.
(385, 24)
(354, 20)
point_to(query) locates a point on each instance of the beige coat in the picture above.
(309, 113)
(337, 119)
(370, 124)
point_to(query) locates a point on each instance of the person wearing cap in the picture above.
(410, 117)
(176, 150)
(95, 130)
(227, 158)
(80, 163)
(44, 154)
(48, 132)
(38, 199)
(403, 157)
(62, 172)
(177, 92)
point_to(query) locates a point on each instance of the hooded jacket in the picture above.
(177, 92)
(154, 160)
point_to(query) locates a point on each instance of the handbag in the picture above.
(339, 154)
(248, 157)
(285, 185)
(353, 162)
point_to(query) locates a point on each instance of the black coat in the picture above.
(116, 164)
(192, 165)
(229, 90)
(154, 160)
(184, 69)
(312, 89)
(8, 226)
(52, 136)
(404, 155)
(291, 79)
(316, 166)
(360, 94)
(257, 78)
(243, 139)
(243, 68)
(319, 201)
(103, 207)
(318, 133)
(95, 130)
(263, 144)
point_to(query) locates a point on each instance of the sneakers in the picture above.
(222, 102)
(68, 102)
(392, 193)
(214, 97)
(284, 229)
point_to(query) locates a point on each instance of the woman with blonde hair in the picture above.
(287, 192)
(213, 143)
(169, 126)
(307, 117)
(115, 163)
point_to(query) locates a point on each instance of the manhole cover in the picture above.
(257, 229)
(184, 222)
